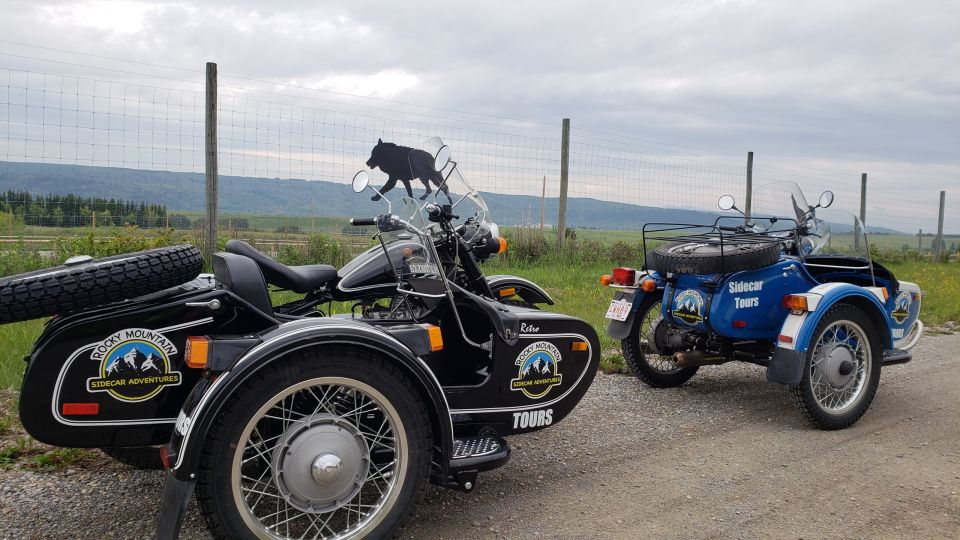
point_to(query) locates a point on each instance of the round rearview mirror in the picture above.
(360, 181)
(826, 199)
(442, 158)
(726, 202)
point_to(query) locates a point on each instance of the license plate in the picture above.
(619, 310)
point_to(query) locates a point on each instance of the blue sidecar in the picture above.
(793, 290)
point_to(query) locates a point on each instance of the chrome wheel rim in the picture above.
(840, 366)
(657, 362)
(324, 458)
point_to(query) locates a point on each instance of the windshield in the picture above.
(467, 203)
(781, 208)
(782, 200)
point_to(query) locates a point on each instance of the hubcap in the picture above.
(838, 366)
(332, 450)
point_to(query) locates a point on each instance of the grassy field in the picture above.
(577, 291)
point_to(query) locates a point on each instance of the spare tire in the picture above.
(705, 257)
(85, 282)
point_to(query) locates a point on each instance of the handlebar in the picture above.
(363, 222)
(728, 228)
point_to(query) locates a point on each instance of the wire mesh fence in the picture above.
(95, 152)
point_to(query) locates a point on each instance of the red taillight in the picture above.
(165, 457)
(81, 409)
(624, 276)
(739, 324)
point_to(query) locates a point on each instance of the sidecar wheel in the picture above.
(842, 369)
(146, 458)
(332, 443)
(654, 369)
(92, 282)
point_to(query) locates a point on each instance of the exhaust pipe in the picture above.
(697, 359)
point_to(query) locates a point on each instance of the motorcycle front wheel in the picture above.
(334, 443)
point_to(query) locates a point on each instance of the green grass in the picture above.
(576, 289)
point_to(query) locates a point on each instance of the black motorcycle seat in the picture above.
(300, 279)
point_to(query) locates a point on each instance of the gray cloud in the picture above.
(842, 86)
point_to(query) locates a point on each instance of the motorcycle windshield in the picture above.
(835, 232)
(411, 255)
(781, 200)
(466, 201)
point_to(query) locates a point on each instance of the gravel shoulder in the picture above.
(726, 455)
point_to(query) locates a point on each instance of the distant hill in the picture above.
(180, 191)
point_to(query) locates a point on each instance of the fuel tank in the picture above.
(371, 273)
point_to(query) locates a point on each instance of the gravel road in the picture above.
(727, 455)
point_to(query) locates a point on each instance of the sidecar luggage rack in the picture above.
(703, 234)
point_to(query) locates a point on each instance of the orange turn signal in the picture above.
(436, 338)
(606, 279)
(795, 302)
(196, 352)
(503, 244)
(578, 346)
(886, 294)
(649, 285)
(506, 293)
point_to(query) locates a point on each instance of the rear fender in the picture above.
(621, 329)
(208, 398)
(793, 341)
(526, 289)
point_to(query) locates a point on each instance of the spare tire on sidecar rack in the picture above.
(84, 282)
(713, 257)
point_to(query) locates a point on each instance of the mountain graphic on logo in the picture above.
(688, 312)
(134, 364)
(538, 368)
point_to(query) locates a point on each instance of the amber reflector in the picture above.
(196, 352)
(507, 292)
(436, 338)
(578, 346)
(795, 303)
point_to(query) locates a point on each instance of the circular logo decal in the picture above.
(537, 370)
(134, 365)
(688, 306)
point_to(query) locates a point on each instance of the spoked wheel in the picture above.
(318, 448)
(655, 369)
(842, 369)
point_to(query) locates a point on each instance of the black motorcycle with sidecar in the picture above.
(290, 424)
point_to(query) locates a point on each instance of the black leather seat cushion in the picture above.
(301, 279)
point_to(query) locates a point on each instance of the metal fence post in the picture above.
(863, 210)
(938, 249)
(564, 172)
(748, 201)
(210, 231)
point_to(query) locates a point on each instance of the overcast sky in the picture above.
(835, 87)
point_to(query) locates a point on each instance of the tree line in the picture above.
(53, 210)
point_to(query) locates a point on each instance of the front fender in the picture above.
(204, 404)
(526, 289)
(793, 341)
